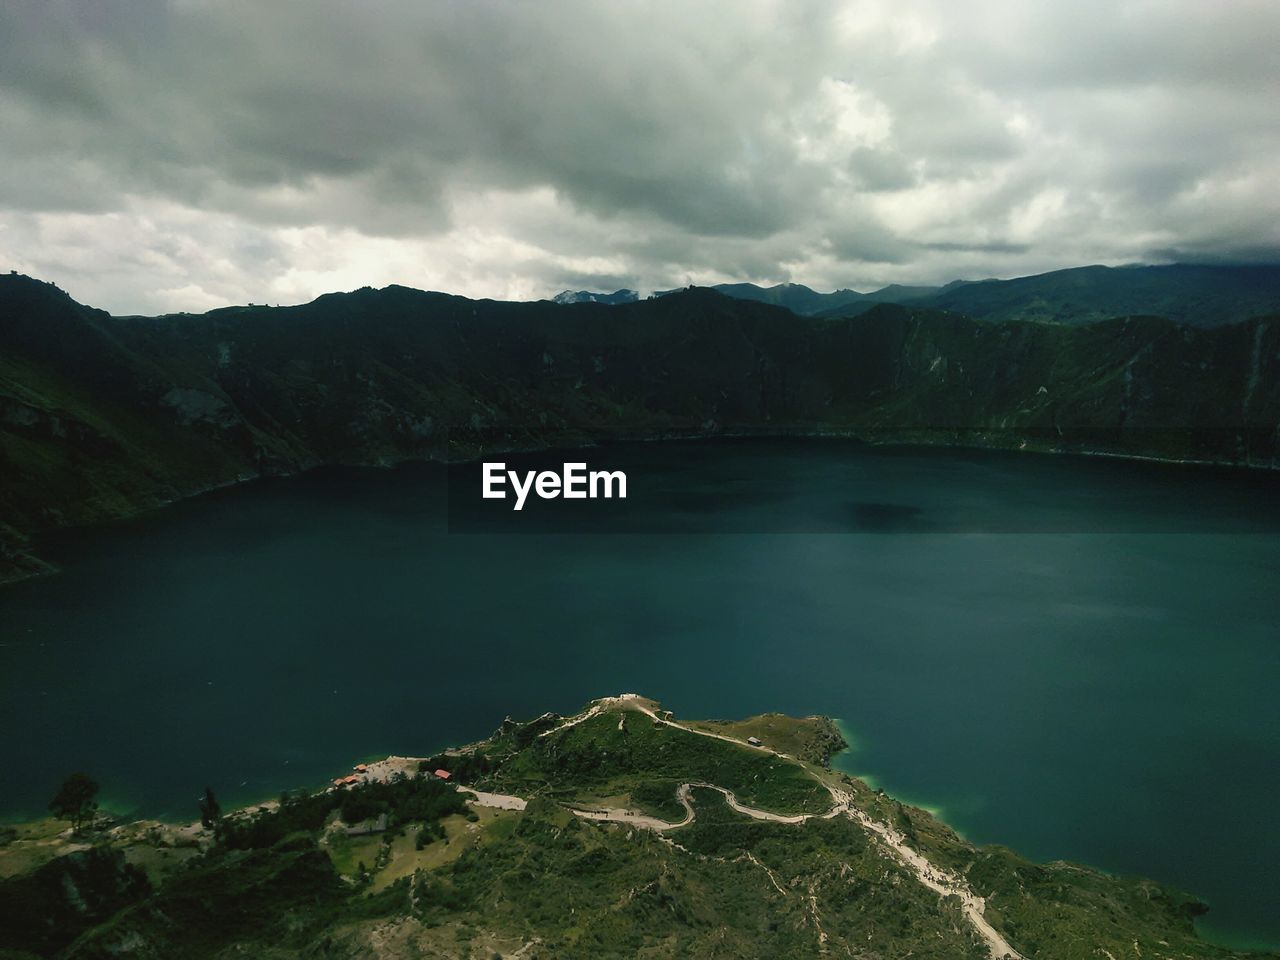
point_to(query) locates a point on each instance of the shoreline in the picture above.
(1204, 925)
(874, 782)
(190, 836)
(28, 564)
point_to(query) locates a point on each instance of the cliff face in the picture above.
(101, 416)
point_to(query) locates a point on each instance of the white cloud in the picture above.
(169, 155)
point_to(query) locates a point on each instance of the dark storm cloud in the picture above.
(179, 154)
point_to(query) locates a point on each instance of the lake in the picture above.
(1074, 657)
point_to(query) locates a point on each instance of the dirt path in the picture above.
(702, 733)
(942, 882)
(633, 818)
(928, 874)
(596, 708)
(755, 814)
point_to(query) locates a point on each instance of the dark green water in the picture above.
(1075, 658)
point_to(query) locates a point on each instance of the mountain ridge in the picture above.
(103, 416)
(1202, 295)
(586, 296)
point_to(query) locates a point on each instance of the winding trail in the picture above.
(632, 818)
(942, 882)
(597, 707)
(935, 878)
(635, 818)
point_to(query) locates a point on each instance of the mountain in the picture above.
(795, 297)
(898, 293)
(620, 832)
(1194, 294)
(586, 296)
(104, 416)
(1198, 295)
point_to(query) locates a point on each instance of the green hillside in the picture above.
(760, 855)
(1192, 294)
(102, 416)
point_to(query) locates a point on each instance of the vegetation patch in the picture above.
(600, 756)
(407, 868)
(811, 739)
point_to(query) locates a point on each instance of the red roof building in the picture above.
(442, 774)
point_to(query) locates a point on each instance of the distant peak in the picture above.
(586, 296)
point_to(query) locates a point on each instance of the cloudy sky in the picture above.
(186, 154)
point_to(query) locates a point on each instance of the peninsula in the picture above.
(622, 831)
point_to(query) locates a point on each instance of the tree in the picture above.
(75, 801)
(210, 809)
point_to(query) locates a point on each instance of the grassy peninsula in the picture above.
(620, 832)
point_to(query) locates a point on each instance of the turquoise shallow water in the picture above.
(1075, 658)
